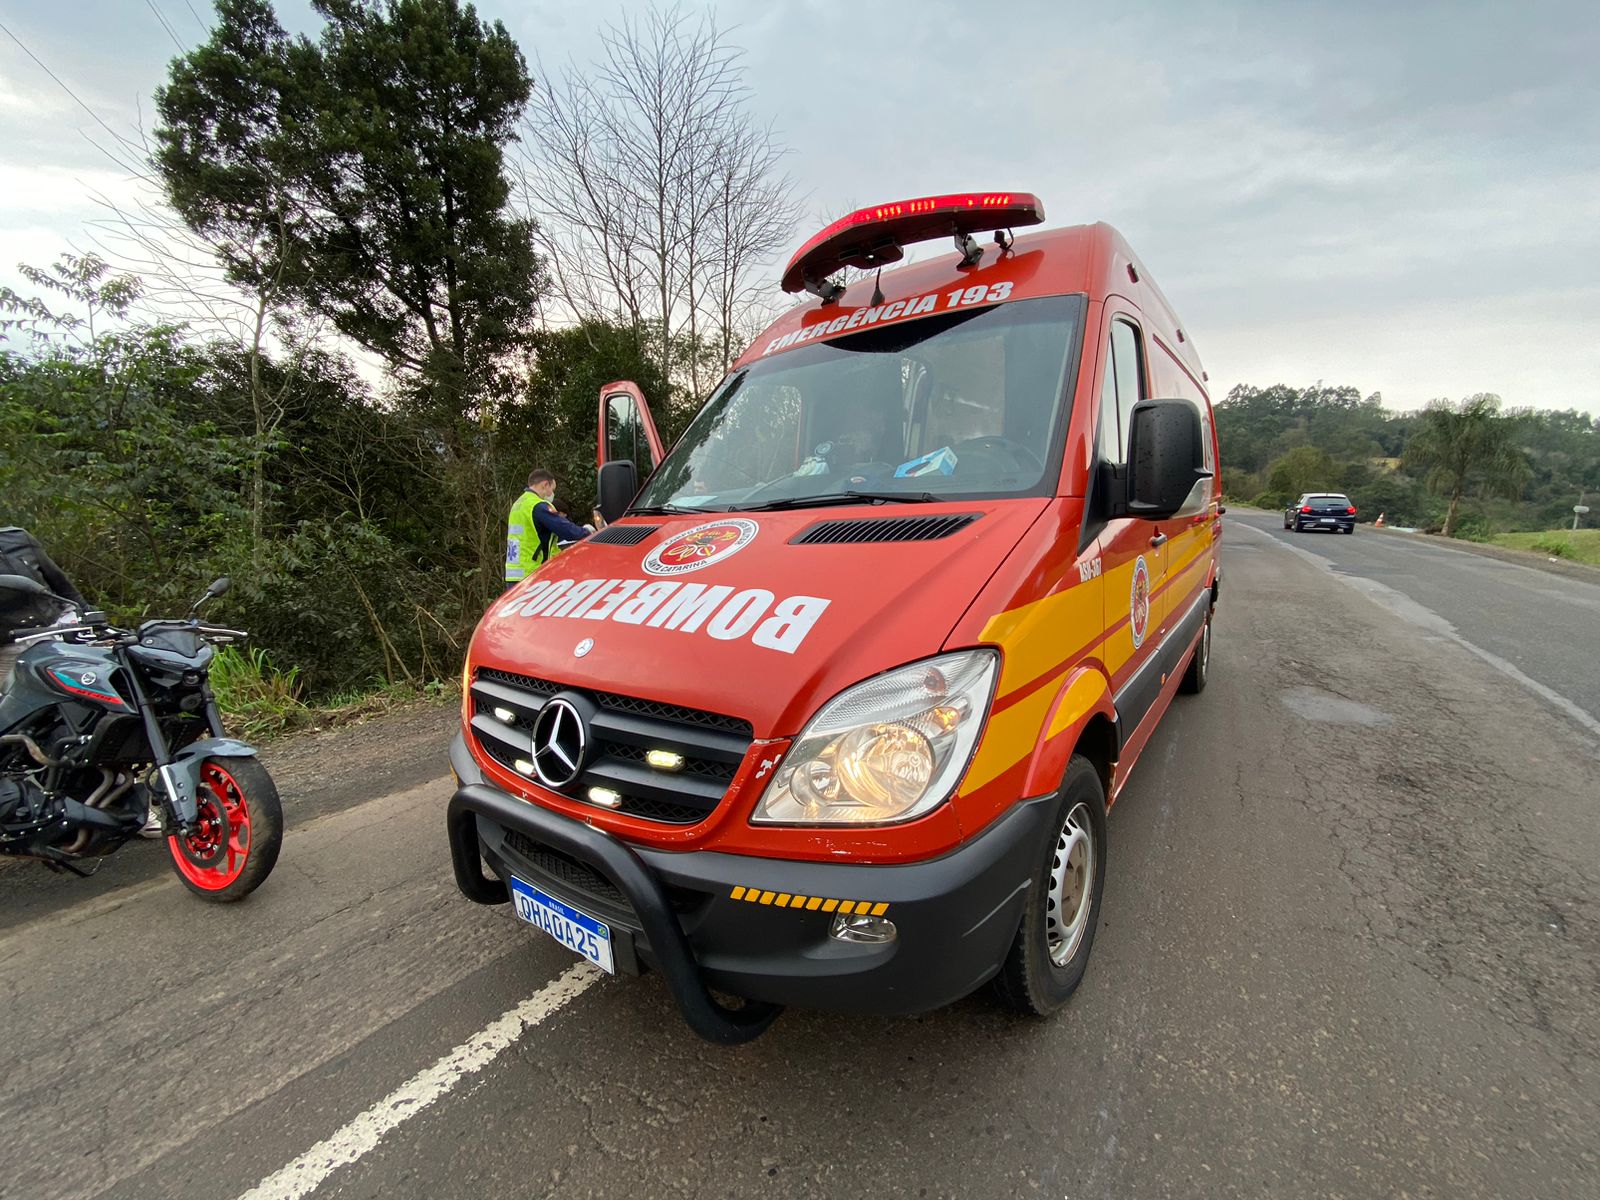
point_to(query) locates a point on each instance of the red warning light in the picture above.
(872, 237)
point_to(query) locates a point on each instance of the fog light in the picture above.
(524, 766)
(664, 760)
(605, 797)
(504, 715)
(858, 928)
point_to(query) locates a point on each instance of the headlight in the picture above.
(886, 750)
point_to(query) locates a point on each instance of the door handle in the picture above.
(1160, 539)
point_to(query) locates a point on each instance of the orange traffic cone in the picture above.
(1378, 524)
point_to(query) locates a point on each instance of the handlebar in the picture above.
(106, 632)
(221, 633)
(213, 633)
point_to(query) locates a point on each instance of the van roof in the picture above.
(1092, 259)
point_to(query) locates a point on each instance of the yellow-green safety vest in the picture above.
(526, 550)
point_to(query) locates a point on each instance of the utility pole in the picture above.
(1578, 510)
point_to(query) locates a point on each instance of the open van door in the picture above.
(627, 431)
(627, 444)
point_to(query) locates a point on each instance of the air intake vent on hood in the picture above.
(623, 535)
(884, 529)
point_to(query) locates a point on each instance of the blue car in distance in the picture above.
(1321, 510)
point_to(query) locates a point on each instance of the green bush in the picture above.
(254, 695)
(1473, 527)
(1555, 545)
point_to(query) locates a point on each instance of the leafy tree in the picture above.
(364, 174)
(1400, 499)
(1459, 445)
(109, 452)
(553, 424)
(1259, 427)
(1303, 469)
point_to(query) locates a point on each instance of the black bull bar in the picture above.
(669, 947)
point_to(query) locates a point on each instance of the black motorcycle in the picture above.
(107, 735)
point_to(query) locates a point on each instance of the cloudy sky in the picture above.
(1404, 197)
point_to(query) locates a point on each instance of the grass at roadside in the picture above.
(259, 701)
(1574, 545)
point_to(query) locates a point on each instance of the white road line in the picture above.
(302, 1176)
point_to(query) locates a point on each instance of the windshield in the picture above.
(962, 404)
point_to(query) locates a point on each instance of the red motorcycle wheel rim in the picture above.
(231, 819)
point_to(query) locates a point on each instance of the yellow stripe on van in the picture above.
(1081, 698)
(1009, 738)
(1036, 636)
(755, 895)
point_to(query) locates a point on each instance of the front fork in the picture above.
(183, 807)
(180, 772)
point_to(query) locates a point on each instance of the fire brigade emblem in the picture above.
(1139, 602)
(701, 546)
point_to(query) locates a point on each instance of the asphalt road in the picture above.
(1539, 629)
(1350, 947)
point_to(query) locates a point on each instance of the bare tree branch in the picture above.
(658, 200)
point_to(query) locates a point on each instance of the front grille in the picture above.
(674, 713)
(526, 682)
(854, 530)
(622, 732)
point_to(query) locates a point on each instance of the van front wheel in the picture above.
(1051, 951)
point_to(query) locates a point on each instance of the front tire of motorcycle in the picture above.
(239, 833)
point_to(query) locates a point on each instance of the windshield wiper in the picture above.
(850, 497)
(661, 510)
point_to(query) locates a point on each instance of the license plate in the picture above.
(1330, 520)
(577, 931)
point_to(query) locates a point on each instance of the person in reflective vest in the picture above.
(535, 531)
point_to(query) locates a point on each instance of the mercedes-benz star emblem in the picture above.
(559, 741)
(583, 648)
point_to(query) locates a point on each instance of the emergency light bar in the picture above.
(871, 237)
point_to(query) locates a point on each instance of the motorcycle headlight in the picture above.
(886, 750)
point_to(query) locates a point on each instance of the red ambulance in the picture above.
(832, 711)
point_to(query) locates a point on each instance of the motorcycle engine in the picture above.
(25, 809)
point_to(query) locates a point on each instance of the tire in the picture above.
(1046, 961)
(241, 832)
(1194, 679)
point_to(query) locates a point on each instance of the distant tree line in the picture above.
(1467, 468)
(403, 303)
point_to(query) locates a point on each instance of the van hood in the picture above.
(762, 616)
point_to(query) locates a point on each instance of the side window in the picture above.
(1130, 379)
(1124, 387)
(625, 434)
(1110, 424)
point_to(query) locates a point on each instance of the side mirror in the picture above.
(217, 587)
(22, 585)
(1166, 460)
(617, 486)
